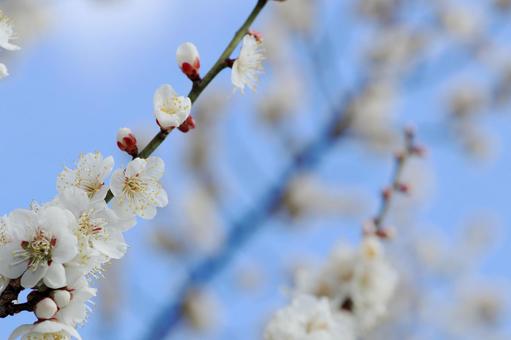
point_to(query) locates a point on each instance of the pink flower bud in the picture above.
(127, 142)
(188, 124)
(61, 297)
(257, 35)
(45, 309)
(188, 60)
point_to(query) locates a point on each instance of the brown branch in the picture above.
(8, 306)
(396, 185)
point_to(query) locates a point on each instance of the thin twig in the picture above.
(201, 85)
(396, 185)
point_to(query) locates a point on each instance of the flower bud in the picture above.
(61, 297)
(188, 60)
(127, 142)
(45, 309)
(188, 124)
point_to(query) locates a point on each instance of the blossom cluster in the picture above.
(55, 248)
(345, 298)
(6, 37)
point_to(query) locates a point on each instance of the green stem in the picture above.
(199, 86)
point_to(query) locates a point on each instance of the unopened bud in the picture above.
(385, 233)
(188, 124)
(45, 309)
(61, 297)
(402, 187)
(127, 142)
(188, 60)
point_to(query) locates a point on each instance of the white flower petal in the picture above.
(19, 331)
(55, 276)
(32, 277)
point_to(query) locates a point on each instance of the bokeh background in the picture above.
(89, 67)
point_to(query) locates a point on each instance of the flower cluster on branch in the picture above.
(57, 248)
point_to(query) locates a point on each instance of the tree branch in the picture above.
(201, 85)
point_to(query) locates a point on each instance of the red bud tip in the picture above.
(188, 124)
(403, 188)
(127, 142)
(257, 35)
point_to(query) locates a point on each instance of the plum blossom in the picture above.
(309, 318)
(3, 71)
(170, 109)
(246, 68)
(7, 33)
(45, 330)
(39, 247)
(360, 281)
(98, 230)
(90, 175)
(137, 190)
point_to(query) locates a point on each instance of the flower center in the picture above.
(48, 336)
(90, 226)
(37, 251)
(171, 107)
(133, 185)
(315, 325)
(91, 187)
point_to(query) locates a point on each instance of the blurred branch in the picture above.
(253, 220)
(396, 185)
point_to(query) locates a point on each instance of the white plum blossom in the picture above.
(98, 230)
(309, 318)
(41, 243)
(137, 190)
(7, 33)
(45, 330)
(246, 68)
(90, 175)
(3, 71)
(188, 60)
(170, 109)
(360, 281)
